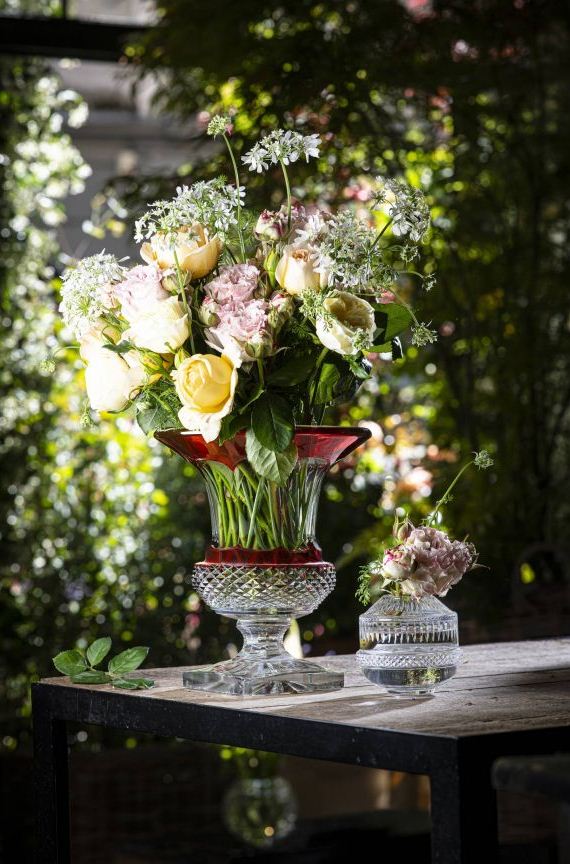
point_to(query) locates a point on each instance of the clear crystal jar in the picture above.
(408, 646)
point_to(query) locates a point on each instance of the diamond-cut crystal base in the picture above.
(245, 676)
(409, 646)
(263, 600)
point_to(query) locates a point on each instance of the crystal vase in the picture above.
(408, 646)
(260, 810)
(264, 565)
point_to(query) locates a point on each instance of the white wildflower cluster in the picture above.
(482, 460)
(422, 335)
(211, 203)
(406, 207)
(85, 291)
(283, 146)
(342, 247)
(219, 125)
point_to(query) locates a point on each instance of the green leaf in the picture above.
(155, 418)
(272, 422)
(293, 371)
(119, 348)
(273, 466)
(128, 660)
(91, 676)
(360, 368)
(391, 320)
(231, 425)
(70, 662)
(133, 683)
(98, 650)
(324, 387)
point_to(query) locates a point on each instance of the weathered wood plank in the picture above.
(499, 688)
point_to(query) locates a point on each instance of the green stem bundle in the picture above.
(255, 513)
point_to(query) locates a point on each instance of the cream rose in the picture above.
(94, 339)
(205, 384)
(111, 379)
(295, 272)
(196, 252)
(348, 316)
(162, 328)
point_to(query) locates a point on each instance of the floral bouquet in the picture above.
(229, 343)
(248, 323)
(424, 561)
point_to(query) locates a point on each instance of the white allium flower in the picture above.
(283, 146)
(85, 291)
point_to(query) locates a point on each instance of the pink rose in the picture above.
(235, 284)
(140, 289)
(242, 332)
(428, 561)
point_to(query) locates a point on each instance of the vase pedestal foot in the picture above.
(262, 677)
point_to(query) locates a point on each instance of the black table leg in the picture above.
(464, 810)
(51, 783)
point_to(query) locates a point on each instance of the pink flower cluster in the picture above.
(427, 562)
(237, 320)
(140, 289)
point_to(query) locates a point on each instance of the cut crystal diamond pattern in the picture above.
(235, 589)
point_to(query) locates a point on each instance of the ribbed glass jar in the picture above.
(409, 646)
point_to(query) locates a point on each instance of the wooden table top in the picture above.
(499, 687)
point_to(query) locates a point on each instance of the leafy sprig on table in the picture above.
(81, 666)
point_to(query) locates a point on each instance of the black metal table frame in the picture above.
(463, 802)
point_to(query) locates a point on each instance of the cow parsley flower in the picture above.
(482, 460)
(342, 247)
(220, 124)
(86, 291)
(283, 146)
(211, 203)
(406, 207)
(422, 335)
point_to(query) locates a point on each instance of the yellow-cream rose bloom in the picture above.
(347, 316)
(162, 328)
(196, 252)
(295, 272)
(205, 384)
(112, 380)
(93, 340)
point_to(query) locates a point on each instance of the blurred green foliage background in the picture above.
(100, 528)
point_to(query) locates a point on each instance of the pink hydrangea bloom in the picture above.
(140, 289)
(235, 284)
(428, 561)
